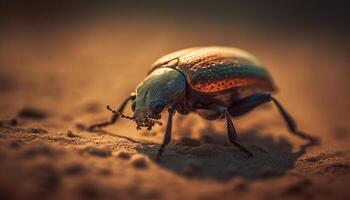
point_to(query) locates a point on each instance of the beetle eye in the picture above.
(133, 106)
(157, 108)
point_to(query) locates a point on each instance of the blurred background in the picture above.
(73, 52)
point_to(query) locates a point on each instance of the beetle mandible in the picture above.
(215, 82)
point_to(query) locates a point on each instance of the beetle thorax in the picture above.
(163, 87)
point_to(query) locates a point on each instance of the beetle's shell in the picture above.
(218, 69)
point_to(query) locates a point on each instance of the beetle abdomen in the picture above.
(218, 69)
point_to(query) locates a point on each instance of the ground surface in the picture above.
(54, 82)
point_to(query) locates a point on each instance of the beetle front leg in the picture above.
(114, 117)
(167, 136)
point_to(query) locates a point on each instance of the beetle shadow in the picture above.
(213, 157)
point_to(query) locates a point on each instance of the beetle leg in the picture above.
(231, 131)
(247, 104)
(114, 117)
(291, 123)
(167, 136)
(232, 134)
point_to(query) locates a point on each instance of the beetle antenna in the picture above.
(156, 122)
(119, 113)
(131, 118)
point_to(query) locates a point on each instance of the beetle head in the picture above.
(161, 88)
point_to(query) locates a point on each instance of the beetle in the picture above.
(215, 82)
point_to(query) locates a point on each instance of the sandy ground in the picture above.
(54, 82)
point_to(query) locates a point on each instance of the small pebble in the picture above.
(74, 169)
(124, 155)
(32, 113)
(13, 122)
(139, 162)
(99, 152)
(37, 130)
(80, 126)
(71, 134)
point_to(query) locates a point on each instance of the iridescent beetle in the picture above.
(215, 82)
